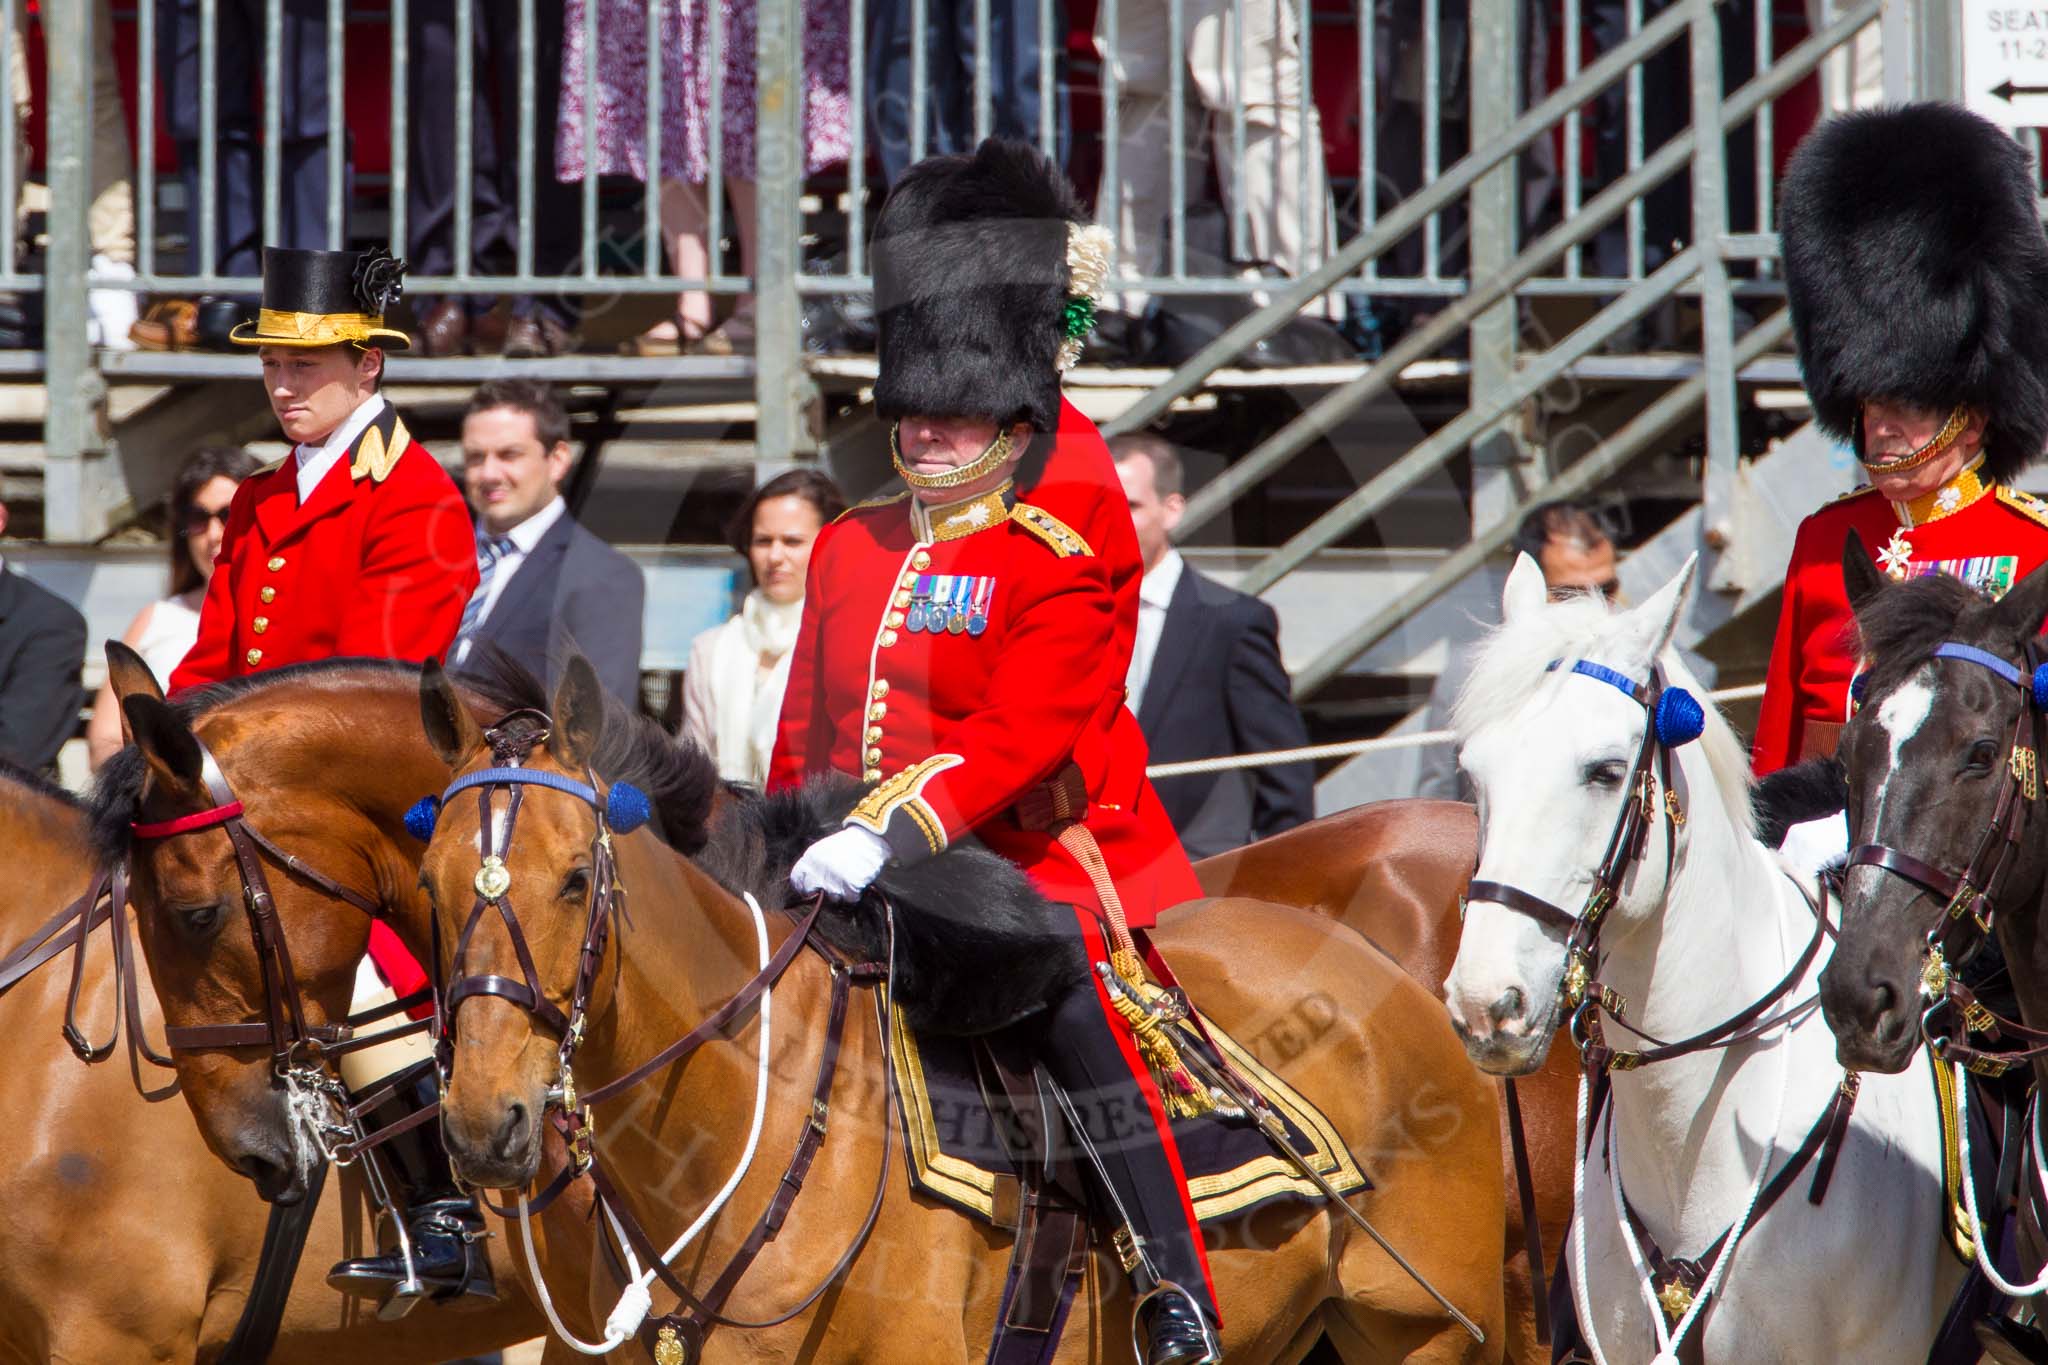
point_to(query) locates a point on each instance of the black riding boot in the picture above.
(444, 1225)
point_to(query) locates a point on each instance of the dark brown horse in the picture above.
(1380, 1047)
(1394, 871)
(126, 1240)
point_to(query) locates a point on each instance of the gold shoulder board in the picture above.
(1855, 492)
(1062, 539)
(883, 501)
(2026, 504)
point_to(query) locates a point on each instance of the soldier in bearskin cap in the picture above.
(1918, 276)
(964, 645)
(356, 544)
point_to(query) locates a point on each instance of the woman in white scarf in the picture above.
(732, 689)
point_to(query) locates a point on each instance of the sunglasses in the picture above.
(194, 520)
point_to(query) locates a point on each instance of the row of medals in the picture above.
(934, 617)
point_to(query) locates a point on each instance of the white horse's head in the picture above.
(1551, 751)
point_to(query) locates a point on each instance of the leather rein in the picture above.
(1973, 894)
(677, 1336)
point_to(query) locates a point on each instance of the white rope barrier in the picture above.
(1418, 740)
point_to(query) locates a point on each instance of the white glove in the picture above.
(841, 865)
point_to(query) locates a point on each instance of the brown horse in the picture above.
(125, 1240)
(1394, 871)
(1373, 1049)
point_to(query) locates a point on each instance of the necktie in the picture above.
(488, 553)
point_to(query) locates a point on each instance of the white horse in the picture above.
(1709, 921)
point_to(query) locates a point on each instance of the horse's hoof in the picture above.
(2012, 1343)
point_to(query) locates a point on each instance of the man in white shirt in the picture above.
(546, 586)
(1206, 678)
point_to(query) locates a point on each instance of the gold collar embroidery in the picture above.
(1947, 500)
(952, 520)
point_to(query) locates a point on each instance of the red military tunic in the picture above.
(1987, 536)
(379, 562)
(959, 726)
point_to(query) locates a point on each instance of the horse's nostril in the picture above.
(1883, 1001)
(513, 1130)
(1511, 1005)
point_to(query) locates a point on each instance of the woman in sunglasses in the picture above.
(162, 631)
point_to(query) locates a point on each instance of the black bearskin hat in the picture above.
(1917, 271)
(972, 287)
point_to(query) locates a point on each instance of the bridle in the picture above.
(1973, 893)
(299, 1050)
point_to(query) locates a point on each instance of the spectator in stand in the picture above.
(1206, 678)
(1238, 56)
(42, 648)
(1572, 545)
(1017, 46)
(546, 587)
(732, 688)
(540, 325)
(177, 324)
(164, 631)
(110, 220)
(687, 128)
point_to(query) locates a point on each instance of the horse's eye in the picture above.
(576, 885)
(1983, 754)
(198, 922)
(1606, 774)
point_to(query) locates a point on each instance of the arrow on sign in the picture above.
(2008, 90)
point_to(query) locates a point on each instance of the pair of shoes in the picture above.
(1174, 1333)
(532, 337)
(734, 336)
(114, 313)
(167, 325)
(444, 331)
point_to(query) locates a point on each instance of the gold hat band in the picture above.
(980, 467)
(1939, 442)
(276, 328)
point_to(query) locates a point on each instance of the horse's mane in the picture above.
(680, 780)
(1510, 662)
(1901, 626)
(38, 784)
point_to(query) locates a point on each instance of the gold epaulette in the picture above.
(376, 456)
(872, 502)
(1855, 492)
(1062, 539)
(2026, 504)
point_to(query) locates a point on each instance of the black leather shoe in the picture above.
(2011, 1343)
(446, 1236)
(1174, 1333)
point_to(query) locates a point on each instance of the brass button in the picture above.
(268, 594)
(873, 757)
(260, 624)
(909, 580)
(880, 689)
(276, 563)
(878, 710)
(888, 638)
(920, 560)
(871, 774)
(902, 599)
(874, 734)
(893, 619)
(254, 656)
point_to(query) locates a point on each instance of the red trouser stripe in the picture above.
(1098, 951)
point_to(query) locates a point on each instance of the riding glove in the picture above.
(841, 865)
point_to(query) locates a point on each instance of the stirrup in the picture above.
(1164, 1288)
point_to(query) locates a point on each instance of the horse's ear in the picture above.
(2023, 609)
(578, 715)
(129, 675)
(1525, 591)
(1650, 626)
(1860, 574)
(452, 731)
(166, 741)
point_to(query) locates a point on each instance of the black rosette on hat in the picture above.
(379, 281)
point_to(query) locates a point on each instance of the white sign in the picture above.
(2005, 61)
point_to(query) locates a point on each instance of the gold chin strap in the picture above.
(980, 467)
(1939, 442)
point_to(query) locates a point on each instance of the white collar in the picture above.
(1156, 588)
(316, 461)
(528, 533)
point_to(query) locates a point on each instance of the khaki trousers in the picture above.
(110, 221)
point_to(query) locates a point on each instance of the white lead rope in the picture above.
(636, 1300)
(1984, 1258)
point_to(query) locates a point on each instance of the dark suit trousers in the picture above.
(494, 206)
(1015, 42)
(303, 122)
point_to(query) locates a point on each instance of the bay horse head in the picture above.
(1575, 727)
(1946, 734)
(317, 763)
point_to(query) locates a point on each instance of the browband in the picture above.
(532, 777)
(185, 824)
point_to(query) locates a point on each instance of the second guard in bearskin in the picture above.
(1917, 271)
(356, 544)
(961, 649)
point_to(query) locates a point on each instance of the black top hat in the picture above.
(1917, 271)
(326, 298)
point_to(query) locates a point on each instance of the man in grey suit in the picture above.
(546, 586)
